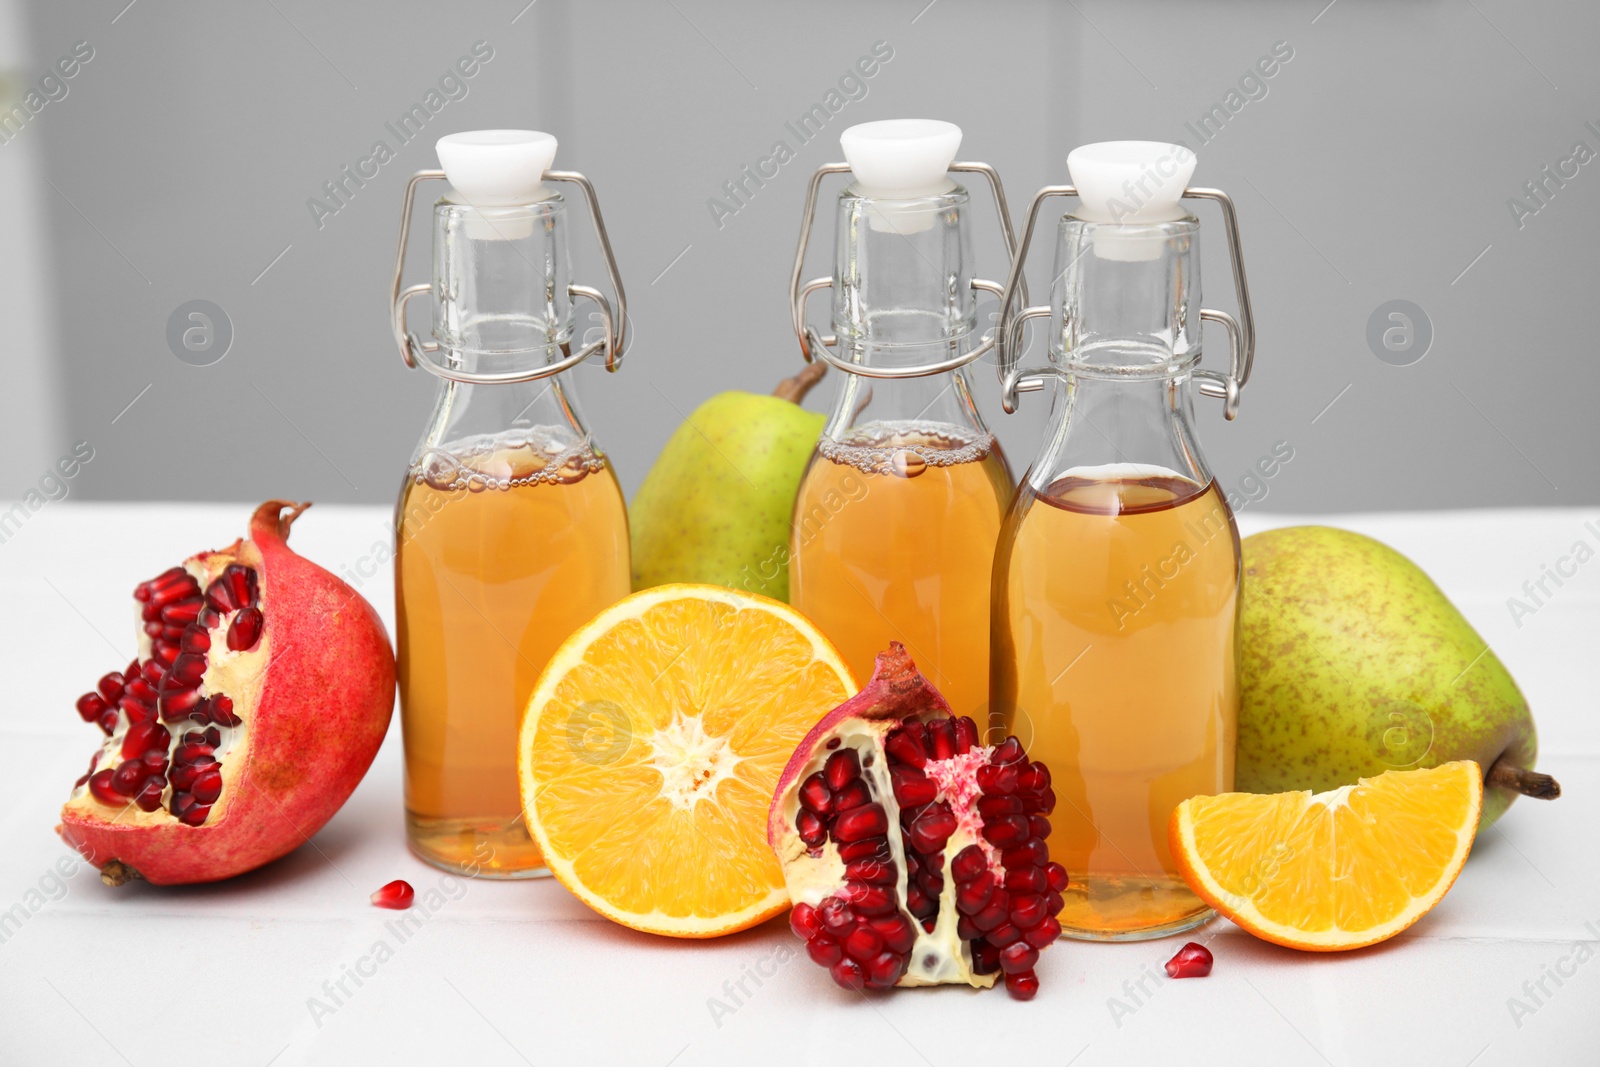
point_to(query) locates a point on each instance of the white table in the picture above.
(521, 972)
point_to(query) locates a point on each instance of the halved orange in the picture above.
(1335, 870)
(651, 746)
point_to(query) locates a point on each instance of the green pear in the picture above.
(1355, 663)
(716, 507)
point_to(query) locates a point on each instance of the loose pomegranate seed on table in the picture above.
(1192, 961)
(397, 894)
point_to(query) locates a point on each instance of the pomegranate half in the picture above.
(913, 853)
(261, 692)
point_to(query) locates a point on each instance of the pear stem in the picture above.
(1521, 780)
(795, 388)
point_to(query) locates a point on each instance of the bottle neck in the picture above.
(903, 298)
(1119, 428)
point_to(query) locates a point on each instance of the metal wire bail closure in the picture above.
(414, 351)
(1241, 331)
(814, 346)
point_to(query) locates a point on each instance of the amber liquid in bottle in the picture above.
(499, 560)
(894, 534)
(1118, 617)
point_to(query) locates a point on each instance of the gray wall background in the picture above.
(1377, 166)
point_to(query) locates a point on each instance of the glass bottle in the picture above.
(510, 530)
(898, 510)
(1117, 574)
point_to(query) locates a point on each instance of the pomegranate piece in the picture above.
(1192, 961)
(398, 895)
(261, 692)
(884, 804)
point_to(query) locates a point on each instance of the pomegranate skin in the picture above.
(325, 698)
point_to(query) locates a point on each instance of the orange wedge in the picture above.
(652, 744)
(1335, 870)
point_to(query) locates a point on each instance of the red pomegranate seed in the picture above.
(245, 630)
(195, 640)
(1007, 831)
(91, 706)
(1044, 933)
(873, 871)
(994, 915)
(398, 895)
(1056, 875)
(1026, 880)
(208, 787)
(222, 711)
(242, 581)
(973, 896)
(100, 786)
(149, 798)
(848, 973)
(885, 969)
(966, 735)
(1032, 854)
(143, 736)
(853, 795)
(182, 612)
(177, 703)
(1039, 826)
(1027, 911)
(942, 738)
(912, 788)
(142, 689)
(824, 950)
(836, 916)
(932, 828)
(110, 687)
(1022, 986)
(186, 672)
(905, 747)
(871, 848)
(813, 831)
(804, 922)
(128, 777)
(897, 933)
(859, 823)
(108, 722)
(816, 796)
(1003, 935)
(1018, 958)
(1192, 961)
(219, 597)
(1008, 751)
(196, 815)
(985, 958)
(135, 709)
(969, 863)
(869, 899)
(842, 768)
(863, 943)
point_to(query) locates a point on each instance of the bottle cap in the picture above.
(497, 168)
(901, 159)
(1130, 183)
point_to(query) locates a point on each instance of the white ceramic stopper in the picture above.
(497, 168)
(901, 159)
(1130, 183)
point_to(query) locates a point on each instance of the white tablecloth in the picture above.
(247, 972)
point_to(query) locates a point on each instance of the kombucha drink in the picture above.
(894, 534)
(505, 547)
(1115, 634)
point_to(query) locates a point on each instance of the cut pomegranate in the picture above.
(260, 694)
(398, 895)
(914, 854)
(1192, 961)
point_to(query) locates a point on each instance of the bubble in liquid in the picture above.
(907, 464)
(439, 469)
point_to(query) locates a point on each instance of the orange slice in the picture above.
(652, 744)
(1335, 870)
